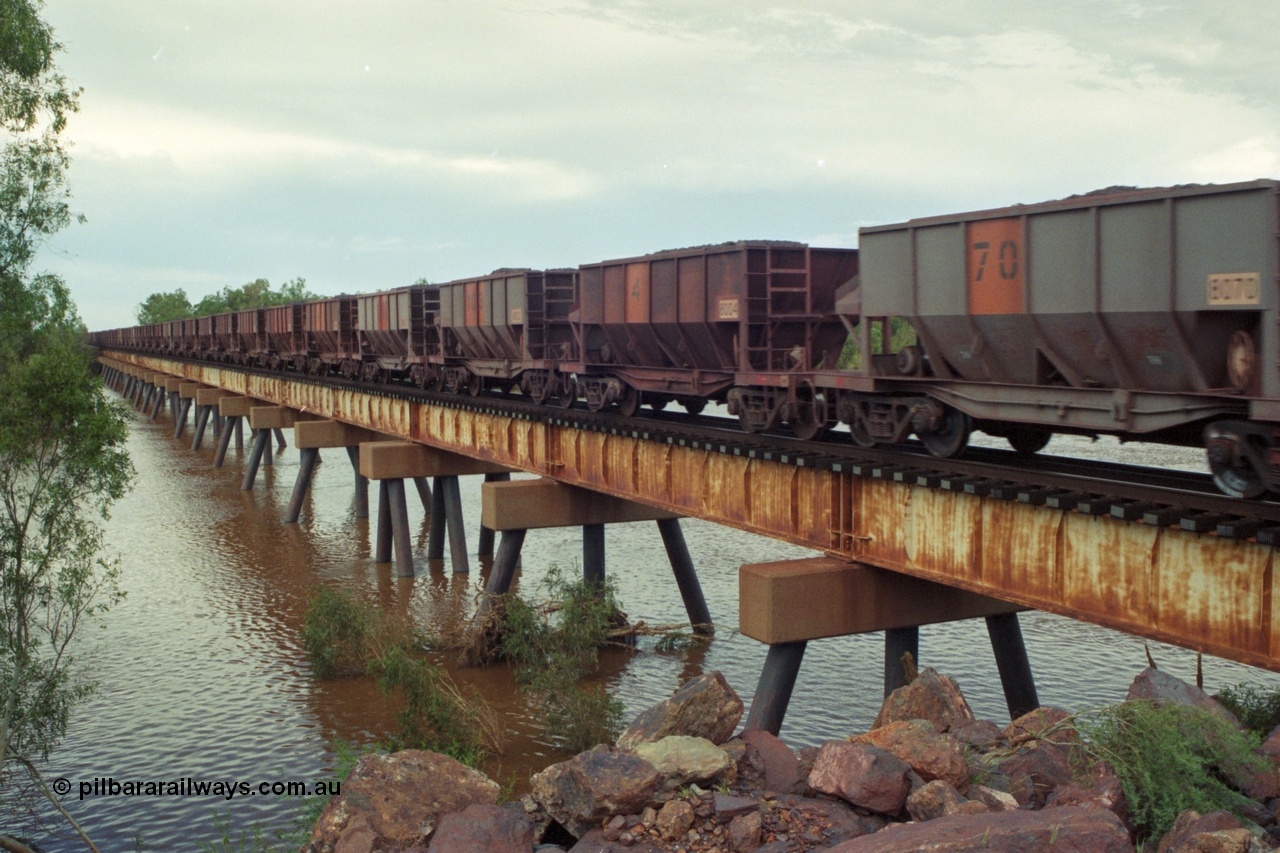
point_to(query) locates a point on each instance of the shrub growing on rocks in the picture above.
(1170, 757)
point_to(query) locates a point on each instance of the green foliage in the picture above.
(252, 839)
(174, 304)
(901, 334)
(553, 647)
(1257, 708)
(338, 633)
(62, 457)
(436, 715)
(35, 102)
(345, 635)
(1170, 757)
(163, 307)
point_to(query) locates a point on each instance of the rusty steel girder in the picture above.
(1194, 590)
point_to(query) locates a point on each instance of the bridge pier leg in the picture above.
(501, 575)
(773, 691)
(230, 426)
(217, 421)
(435, 537)
(159, 402)
(898, 642)
(1011, 660)
(306, 467)
(382, 544)
(261, 438)
(453, 520)
(280, 439)
(593, 555)
(695, 603)
(202, 419)
(424, 493)
(239, 426)
(362, 483)
(180, 416)
(400, 527)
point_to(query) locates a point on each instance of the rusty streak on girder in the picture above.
(1194, 590)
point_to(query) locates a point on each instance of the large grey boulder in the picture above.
(593, 785)
(705, 707)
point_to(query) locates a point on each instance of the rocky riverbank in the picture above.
(927, 776)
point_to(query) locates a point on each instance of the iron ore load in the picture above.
(1145, 314)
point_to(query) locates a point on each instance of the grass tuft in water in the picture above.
(554, 646)
(344, 635)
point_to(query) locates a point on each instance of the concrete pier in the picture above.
(515, 507)
(393, 462)
(787, 604)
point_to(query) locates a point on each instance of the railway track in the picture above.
(1132, 493)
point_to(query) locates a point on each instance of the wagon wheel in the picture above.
(475, 384)
(951, 437)
(629, 402)
(1229, 462)
(694, 405)
(657, 402)
(1028, 440)
(1238, 479)
(861, 435)
(810, 421)
(567, 394)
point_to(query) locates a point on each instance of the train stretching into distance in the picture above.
(1145, 314)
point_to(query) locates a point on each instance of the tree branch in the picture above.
(39, 780)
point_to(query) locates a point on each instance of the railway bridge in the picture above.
(900, 547)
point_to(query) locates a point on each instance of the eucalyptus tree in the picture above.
(62, 456)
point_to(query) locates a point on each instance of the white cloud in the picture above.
(310, 137)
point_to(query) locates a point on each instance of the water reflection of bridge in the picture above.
(948, 555)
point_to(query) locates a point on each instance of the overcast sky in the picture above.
(366, 145)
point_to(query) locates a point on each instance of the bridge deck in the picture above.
(1190, 589)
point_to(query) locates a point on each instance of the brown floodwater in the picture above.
(202, 675)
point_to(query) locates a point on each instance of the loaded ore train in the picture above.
(1145, 314)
